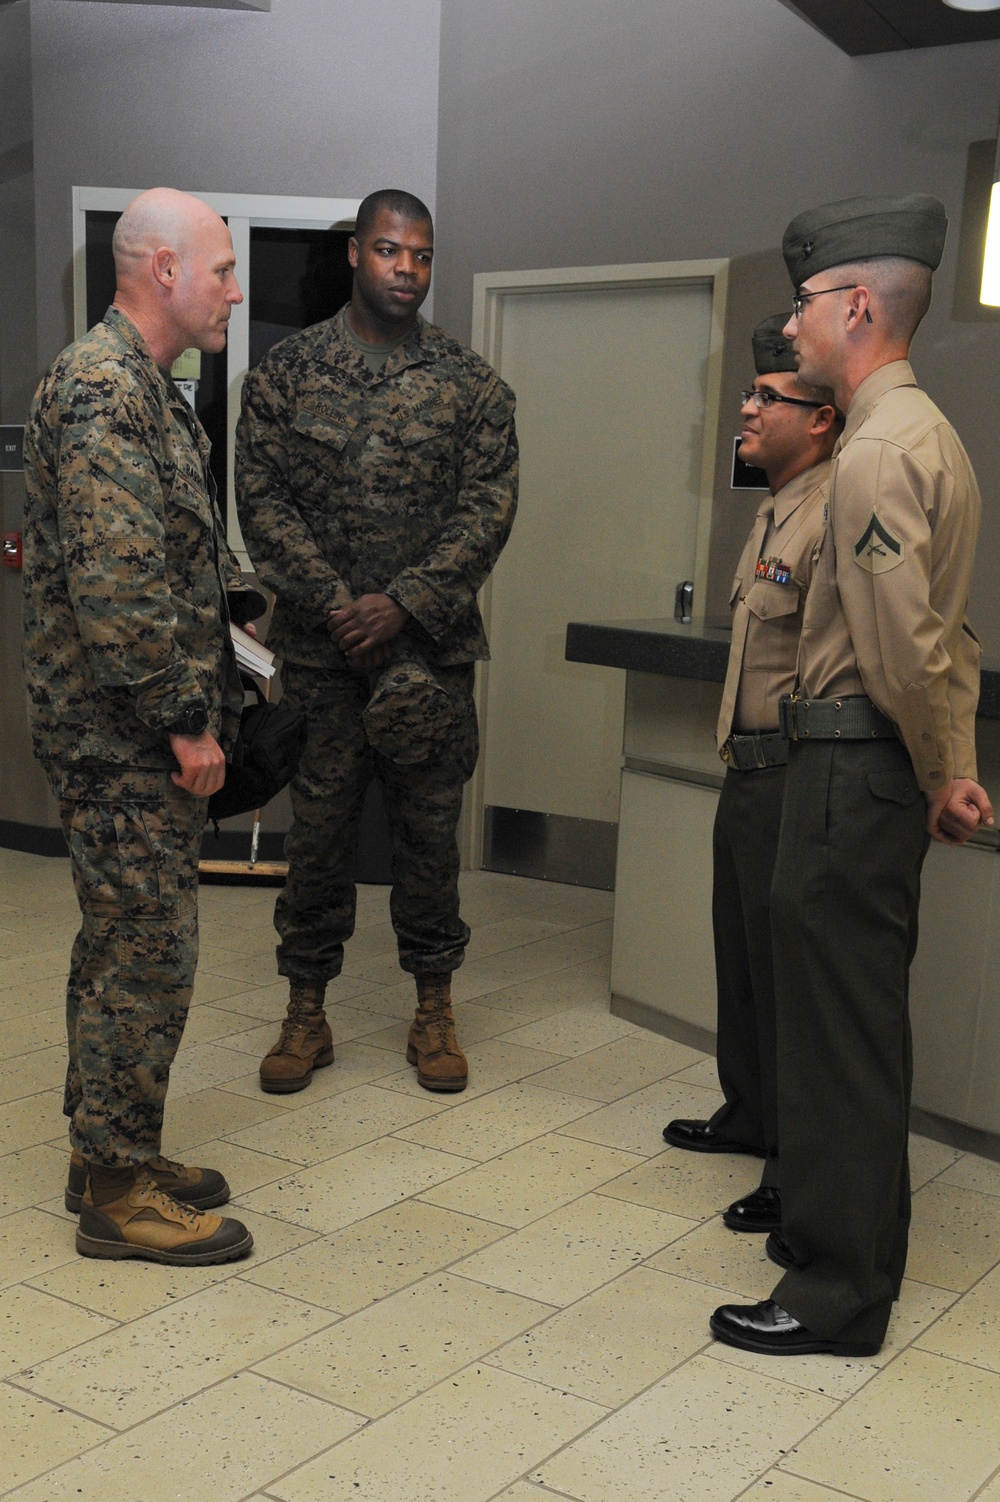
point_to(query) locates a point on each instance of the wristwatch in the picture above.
(191, 722)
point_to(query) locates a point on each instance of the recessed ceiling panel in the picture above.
(197, 4)
(863, 26)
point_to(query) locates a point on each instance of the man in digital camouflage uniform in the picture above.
(881, 756)
(133, 696)
(789, 429)
(376, 485)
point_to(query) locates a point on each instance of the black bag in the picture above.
(266, 756)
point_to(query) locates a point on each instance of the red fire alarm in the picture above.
(12, 550)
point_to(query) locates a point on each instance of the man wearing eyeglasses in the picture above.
(881, 756)
(789, 429)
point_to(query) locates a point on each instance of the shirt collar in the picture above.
(790, 497)
(871, 391)
(411, 351)
(123, 325)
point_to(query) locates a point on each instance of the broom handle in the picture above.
(255, 837)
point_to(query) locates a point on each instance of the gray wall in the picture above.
(581, 132)
(309, 98)
(22, 784)
(564, 132)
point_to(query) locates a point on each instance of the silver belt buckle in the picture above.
(791, 717)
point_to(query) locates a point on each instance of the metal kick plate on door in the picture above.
(550, 847)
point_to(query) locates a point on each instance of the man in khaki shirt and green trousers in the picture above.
(881, 755)
(789, 429)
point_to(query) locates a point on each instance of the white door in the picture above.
(615, 400)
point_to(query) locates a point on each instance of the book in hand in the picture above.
(252, 655)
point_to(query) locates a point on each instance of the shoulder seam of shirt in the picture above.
(902, 448)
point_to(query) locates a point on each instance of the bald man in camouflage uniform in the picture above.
(133, 696)
(376, 484)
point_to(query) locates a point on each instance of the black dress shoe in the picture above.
(771, 1331)
(701, 1137)
(778, 1250)
(760, 1211)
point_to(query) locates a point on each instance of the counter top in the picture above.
(699, 650)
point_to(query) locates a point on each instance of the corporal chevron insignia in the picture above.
(876, 550)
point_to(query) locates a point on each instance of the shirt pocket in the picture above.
(319, 447)
(188, 493)
(318, 427)
(773, 636)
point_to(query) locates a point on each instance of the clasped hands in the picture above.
(364, 629)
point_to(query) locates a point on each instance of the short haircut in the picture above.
(397, 201)
(822, 394)
(900, 288)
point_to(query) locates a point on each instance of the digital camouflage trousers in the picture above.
(134, 840)
(314, 914)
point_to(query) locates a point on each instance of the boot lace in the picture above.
(167, 1165)
(289, 1027)
(160, 1200)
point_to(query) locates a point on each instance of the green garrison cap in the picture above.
(772, 352)
(856, 228)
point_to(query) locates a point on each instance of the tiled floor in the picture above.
(500, 1295)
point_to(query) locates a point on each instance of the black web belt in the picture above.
(851, 718)
(751, 753)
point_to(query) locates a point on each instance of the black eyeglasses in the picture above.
(801, 298)
(767, 399)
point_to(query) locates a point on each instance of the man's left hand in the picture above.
(369, 621)
(202, 764)
(957, 810)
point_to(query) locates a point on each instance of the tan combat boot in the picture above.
(304, 1044)
(441, 1064)
(201, 1188)
(143, 1221)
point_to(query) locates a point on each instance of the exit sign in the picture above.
(11, 448)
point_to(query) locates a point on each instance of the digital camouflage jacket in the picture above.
(402, 483)
(125, 561)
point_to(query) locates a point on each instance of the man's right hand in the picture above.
(202, 764)
(956, 811)
(367, 659)
(366, 625)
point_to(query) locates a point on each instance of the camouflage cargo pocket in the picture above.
(123, 860)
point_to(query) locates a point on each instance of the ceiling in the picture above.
(203, 4)
(862, 26)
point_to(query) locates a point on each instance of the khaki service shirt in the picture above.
(886, 612)
(767, 615)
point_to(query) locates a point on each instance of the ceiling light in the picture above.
(973, 4)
